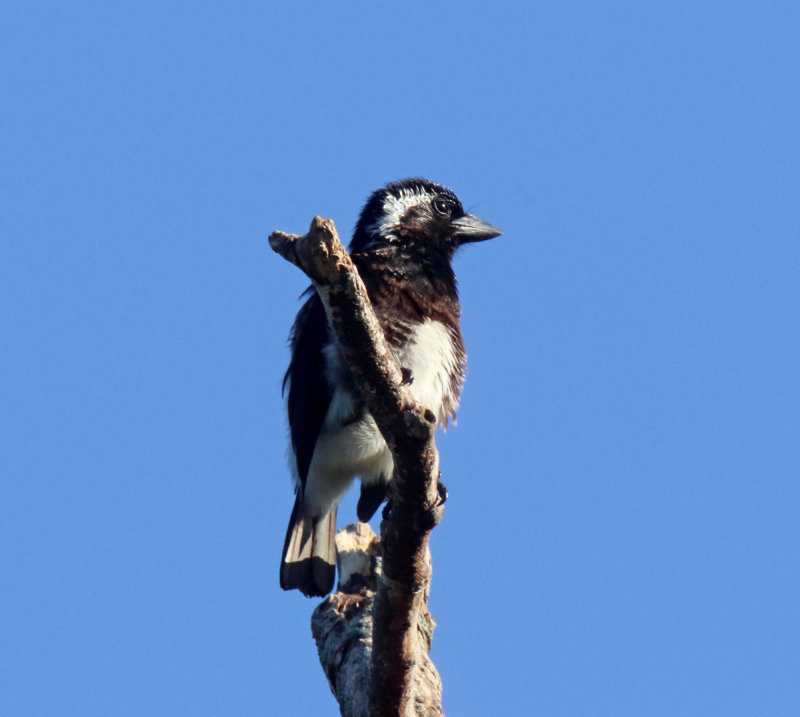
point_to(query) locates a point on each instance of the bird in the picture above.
(402, 246)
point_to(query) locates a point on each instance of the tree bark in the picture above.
(343, 628)
(374, 634)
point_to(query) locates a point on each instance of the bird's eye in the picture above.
(442, 207)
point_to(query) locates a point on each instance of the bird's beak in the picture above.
(469, 228)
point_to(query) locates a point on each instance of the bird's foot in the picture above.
(441, 489)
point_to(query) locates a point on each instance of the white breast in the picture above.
(432, 358)
(346, 448)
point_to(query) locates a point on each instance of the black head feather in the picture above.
(404, 211)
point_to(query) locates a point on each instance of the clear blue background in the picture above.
(623, 534)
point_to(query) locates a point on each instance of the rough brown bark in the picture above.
(402, 680)
(343, 628)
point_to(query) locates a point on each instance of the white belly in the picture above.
(345, 450)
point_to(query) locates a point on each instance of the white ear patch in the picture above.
(395, 208)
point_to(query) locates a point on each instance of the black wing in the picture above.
(309, 393)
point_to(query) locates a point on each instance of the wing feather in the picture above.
(309, 393)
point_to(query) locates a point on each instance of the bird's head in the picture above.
(417, 216)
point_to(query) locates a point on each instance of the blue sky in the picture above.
(622, 534)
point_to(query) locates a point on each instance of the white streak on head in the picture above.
(395, 208)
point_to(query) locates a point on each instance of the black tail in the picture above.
(309, 553)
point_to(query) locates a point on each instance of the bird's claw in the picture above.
(441, 489)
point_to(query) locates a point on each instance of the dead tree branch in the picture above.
(399, 645)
